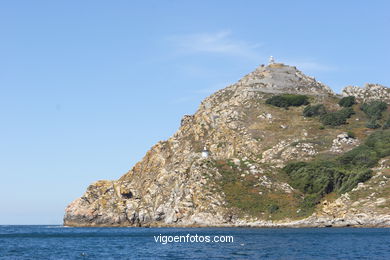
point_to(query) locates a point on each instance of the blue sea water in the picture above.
(58, 242)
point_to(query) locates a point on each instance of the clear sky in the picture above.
(87, 87)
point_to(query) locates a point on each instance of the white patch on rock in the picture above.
(343, 143)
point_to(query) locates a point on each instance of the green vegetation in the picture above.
(373, 124)
(246, 197)
(346, 112)
(347, 101)
(335, 118)
(238, 193)
(380, 143)
(338, 117)
(341, 174)
(386, 125)
(273, 208)
(319, 178)
(315, 110)
(351, 134)
(374, 109)
(288, 100)
(361, 156)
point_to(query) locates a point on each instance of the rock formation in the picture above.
(369, 92)
(174, 185)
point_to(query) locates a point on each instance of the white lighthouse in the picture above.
(271, 60)
(205, 152)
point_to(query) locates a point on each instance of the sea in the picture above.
(58, 242)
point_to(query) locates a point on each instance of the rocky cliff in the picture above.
(369, 92)
(241, 181)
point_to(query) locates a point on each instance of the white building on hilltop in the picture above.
(271, 60)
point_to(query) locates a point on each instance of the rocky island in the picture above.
(275, 149)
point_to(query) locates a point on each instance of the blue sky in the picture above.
(87, 87)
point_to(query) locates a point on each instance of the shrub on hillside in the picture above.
(296, 100)
(333, 119)
(323, 177)
(273, 208)
(376, 146)
(379, 141)
(346, 112)
(338, 117)
(374, 109)
(386, 125)
(277, 101)
(360, 156)
(373, 124)
(347, 101)
(316, 110)
(287, 100)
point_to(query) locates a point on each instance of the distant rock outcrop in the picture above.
(248, 142)
(368, 93)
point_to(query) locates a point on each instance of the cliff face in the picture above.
(174, 185)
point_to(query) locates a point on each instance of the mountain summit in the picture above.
(280, 78)
(274, 149)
